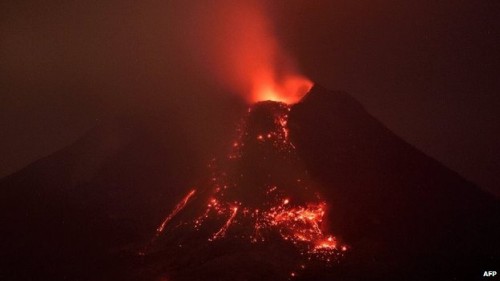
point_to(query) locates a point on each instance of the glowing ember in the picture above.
(261, 193)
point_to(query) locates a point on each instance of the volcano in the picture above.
(318, 190)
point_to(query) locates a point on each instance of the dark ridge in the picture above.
(404, 212)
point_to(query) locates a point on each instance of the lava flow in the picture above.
(259, 193)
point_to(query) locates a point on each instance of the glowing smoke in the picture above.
(234, 41)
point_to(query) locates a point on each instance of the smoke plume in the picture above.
(234, 41)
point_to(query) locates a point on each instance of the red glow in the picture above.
(176, 210)
(326, 244)
(289, 89)
(235, 42)
(300, 224)
(222, 230)
(263, 212)
(161, 228)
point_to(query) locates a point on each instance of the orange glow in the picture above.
(326, 244)
(283, 214)
(300, 224)
(289, 89)
(234, 41)
(161, 228)
(223, 229)
(177, 209)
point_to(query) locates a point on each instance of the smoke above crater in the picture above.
(234, 42)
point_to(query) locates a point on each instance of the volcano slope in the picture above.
(405, 214)
(88, 211)
(71, 215)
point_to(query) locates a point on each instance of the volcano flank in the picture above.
(318, 190)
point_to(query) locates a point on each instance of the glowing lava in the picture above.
(178, 208)
(223, 229)
(260, 193)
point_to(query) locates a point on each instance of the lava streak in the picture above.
(174, 212)
(222, 231)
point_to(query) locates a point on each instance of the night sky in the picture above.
(427, 69)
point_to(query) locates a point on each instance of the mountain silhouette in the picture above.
(88, 211)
